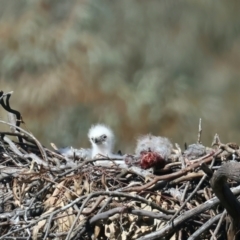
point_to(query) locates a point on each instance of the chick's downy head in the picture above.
(153, 151)
(160, 145)
(101, 138)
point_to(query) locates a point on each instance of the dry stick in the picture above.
(149, 214)
(106, 204)
(44, 155)
(136, 197)
(10, 157)
(194, 191)
(170, 165)
(54, 154)
(216, 140)
(182, 160)
(111, 194)
(77, 217)
(13, 120)
(204, 227)
(180, 173)
(214, 238)
(184, 192)
(199, 131)
(63, 174)
(98, 201)
(108, 214)
(43, 217)
(18, 238)
(219, 224)
(169, 228)
(142, 213)
(80, 229)
(69, 171)
(180, 157)
(17, 134)
(24, 155)
(86, 211)
(12, 146)
(81, 226)
(57, 235)
(190, 176)
(48, 227)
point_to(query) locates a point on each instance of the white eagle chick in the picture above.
(153, 151)
(102, 140)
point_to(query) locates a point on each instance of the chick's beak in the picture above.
(97, 140)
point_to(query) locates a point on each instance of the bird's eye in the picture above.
(92, 139)
(104, 136)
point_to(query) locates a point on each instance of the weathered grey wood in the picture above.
(220, 187)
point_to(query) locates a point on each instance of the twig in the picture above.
(171, 176)
(204, 227)
(199, 131)
(219, 224)
(171, 226)
(112, 194)
(44, 155)
(192, 194)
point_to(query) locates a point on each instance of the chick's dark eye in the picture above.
(104, 136)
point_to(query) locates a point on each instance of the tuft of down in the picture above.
(153, 151)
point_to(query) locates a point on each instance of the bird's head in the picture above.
(101, 136)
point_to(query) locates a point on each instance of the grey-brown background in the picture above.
(139, 66)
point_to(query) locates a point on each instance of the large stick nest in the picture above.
(45, 195)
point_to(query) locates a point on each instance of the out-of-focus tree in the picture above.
(139, 66)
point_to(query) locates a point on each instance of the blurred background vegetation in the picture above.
(139, 66)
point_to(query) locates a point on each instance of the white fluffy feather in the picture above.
(102, 140)
(160, 145)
